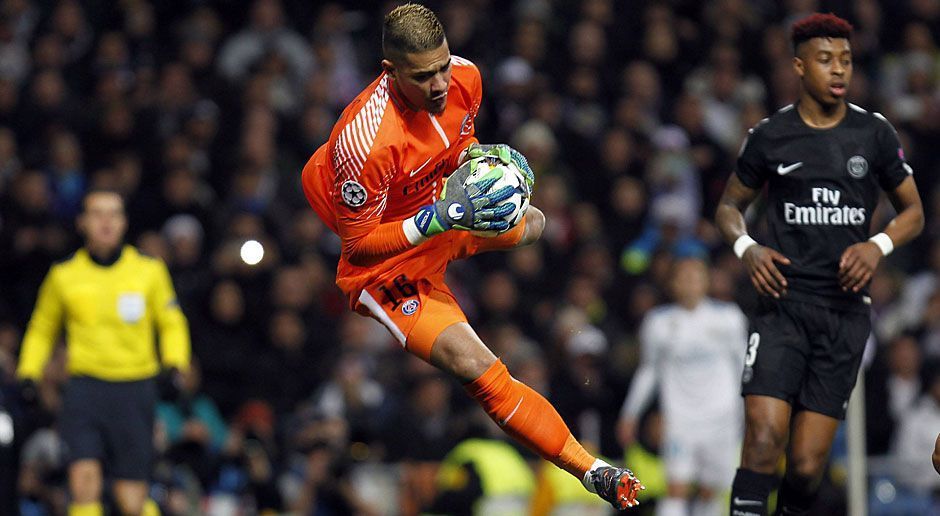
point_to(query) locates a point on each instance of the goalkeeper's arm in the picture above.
(461, 206)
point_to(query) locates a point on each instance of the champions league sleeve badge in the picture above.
(857, 166)
(354, 194)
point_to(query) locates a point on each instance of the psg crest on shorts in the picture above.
(857, 166)
(354, 194)
(409, 307)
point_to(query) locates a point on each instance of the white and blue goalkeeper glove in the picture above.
(470, 206)
(505, 154)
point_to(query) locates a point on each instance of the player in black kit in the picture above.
(825, 162)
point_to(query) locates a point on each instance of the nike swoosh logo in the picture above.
(738, 501)
(784, 170)
(504, 422)
(415, 171)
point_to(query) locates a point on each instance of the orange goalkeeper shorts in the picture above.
(417, 309)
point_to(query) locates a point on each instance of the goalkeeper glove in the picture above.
(506, 155)
(499, 151)
(470, 206)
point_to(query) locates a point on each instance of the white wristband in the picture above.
(742, 244)
(414, 236)
(883, 241)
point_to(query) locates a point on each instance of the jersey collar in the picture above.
(109, 260)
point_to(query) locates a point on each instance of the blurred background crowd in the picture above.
(202, 113)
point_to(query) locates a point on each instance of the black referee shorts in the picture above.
(805, 354)
(111, 422)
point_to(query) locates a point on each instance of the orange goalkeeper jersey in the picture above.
(384, 161)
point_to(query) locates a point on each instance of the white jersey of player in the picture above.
(696, 357)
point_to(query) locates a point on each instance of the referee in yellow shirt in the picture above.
(110, 298)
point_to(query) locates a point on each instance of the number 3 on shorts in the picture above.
(752, 343)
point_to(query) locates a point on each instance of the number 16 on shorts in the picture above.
(396, 291)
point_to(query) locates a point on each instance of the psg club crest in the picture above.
(409, 307)
(857, 166)
(354, 194)
(466, 127)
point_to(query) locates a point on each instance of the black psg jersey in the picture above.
(822, 187)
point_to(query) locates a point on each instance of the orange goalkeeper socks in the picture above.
(529, 418)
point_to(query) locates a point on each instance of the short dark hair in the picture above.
(819, 25)
(102, 190)
(410, 28)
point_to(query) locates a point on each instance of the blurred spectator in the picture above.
(193, 428)
(246, 474)
(185, 236)
(892, 388)
(66, 174)
(425, 423)
(581, 387)
(467, 483)
(13, 53)
(708, 155)
(223, 341)
(909, 311)
(266, 38)
(42, 473)
(915, 436)
(724, 92)
(354, 396)
(335, 50)
(288, 370)
(10, 163)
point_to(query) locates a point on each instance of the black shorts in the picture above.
(111, 422)
(805, 354)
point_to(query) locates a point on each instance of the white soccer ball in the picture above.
(512, 177)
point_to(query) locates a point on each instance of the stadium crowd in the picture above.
(631, 113)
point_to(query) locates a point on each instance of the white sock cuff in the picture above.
(598, 463)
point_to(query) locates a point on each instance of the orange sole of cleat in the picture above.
(627, 489)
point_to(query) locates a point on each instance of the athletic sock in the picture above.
(794, 501)
(86, 509)
(529, 418)
(749, 492)
(586, 478)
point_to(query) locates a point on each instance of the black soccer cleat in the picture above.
(618, 486)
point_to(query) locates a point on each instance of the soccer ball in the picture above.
(513, 177)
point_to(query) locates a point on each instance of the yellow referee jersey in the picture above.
(110, 314)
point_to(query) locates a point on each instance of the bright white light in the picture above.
(252, 252)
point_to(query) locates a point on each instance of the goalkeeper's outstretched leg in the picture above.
(526, 415)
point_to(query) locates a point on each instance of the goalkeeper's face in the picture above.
(422, 78)
(102, 221)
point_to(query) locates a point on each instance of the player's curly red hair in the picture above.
(819, 25)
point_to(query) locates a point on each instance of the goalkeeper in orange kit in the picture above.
(379, 183)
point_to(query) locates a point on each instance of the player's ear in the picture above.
(388, 67)
(798, 66)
